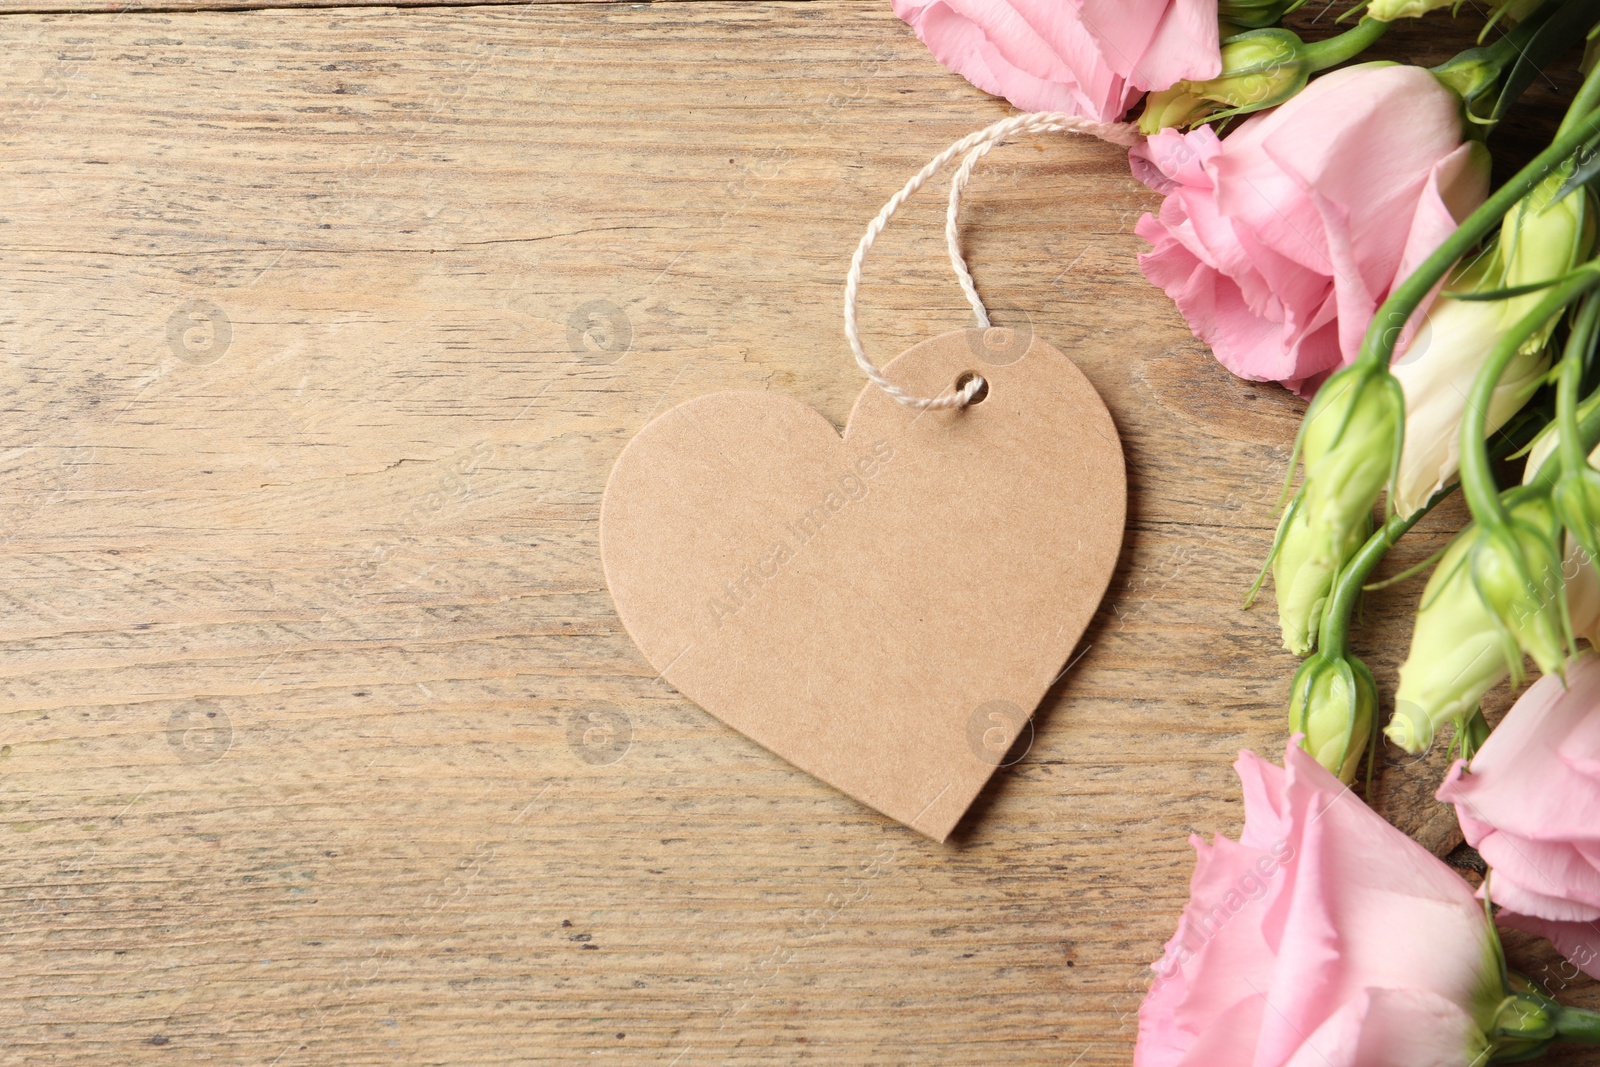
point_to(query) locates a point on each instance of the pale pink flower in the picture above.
(1323, 937)
(1088, 57)
(1279, 241)
(1529, 802)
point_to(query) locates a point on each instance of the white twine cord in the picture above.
(977, 145)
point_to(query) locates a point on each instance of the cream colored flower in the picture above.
(1436, 374)
(1541, 239)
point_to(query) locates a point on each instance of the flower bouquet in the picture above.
(1329, 223)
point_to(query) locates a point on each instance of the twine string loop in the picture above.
(976, 146)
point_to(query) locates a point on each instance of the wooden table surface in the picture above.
(320, 740)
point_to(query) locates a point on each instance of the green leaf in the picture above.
(1553, 28)
(1507, 294)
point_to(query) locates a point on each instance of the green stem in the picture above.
(1377, 347)
(1589, 421)
(1586, 100)
(1569, 436)
(1407, 574)
(1335, 631)
(1577, 1024)
(1477, 480)
(1321, 55)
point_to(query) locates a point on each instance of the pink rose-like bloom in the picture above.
(1279, 241)
(1089, 57)
(1323, 938)
(1529, 802)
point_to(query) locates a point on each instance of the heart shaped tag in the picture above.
(885, 609)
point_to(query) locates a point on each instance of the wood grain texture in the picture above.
(118, 8)
(320, 741)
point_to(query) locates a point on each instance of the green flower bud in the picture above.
(1524, 1026)
(1577, 504)
(1349, 441)
(1174, 107)
(1389, 10)
(1332, 702)
(1458, 653)
(1256, 13)
(1517, 573)
(1494, 596)
(1260, 68)
(1304, 577)
(1543, 238)
(1472, 75)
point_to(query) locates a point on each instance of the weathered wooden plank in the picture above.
(118, 8)
(319, 739)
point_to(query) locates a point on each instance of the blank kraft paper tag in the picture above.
(884, 609)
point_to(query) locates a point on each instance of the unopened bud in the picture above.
(1303, 577)
(1493, 597)
(1332, 702)
(1458, 653)
(1349, 440)
(1540, 240)
(1260, 68)
(1174, 108)
(1577, 503)
(1524, 1025)
(1517, 573)
(1544, 236)
(1255, 13)
(1389, 10)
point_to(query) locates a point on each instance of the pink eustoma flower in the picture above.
(1323, 938)
(1089, 57)
(1529, 802)
(1279, 241)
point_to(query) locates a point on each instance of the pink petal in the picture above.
(1577, 941)
(1392, 1028)
(1366, 138)
(1221, 933)
(1154, 43)
(1581, 749)
(1355, 297)
(1514, 896)
(1553, 869)
(1171, 159)
(1266, 803)
(1224, 1043)
(1307, 946)
(1390, 895)
(1218, 939)
(1456, 186)
(1519, 781)
(1051, 64)
(1260, 197)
